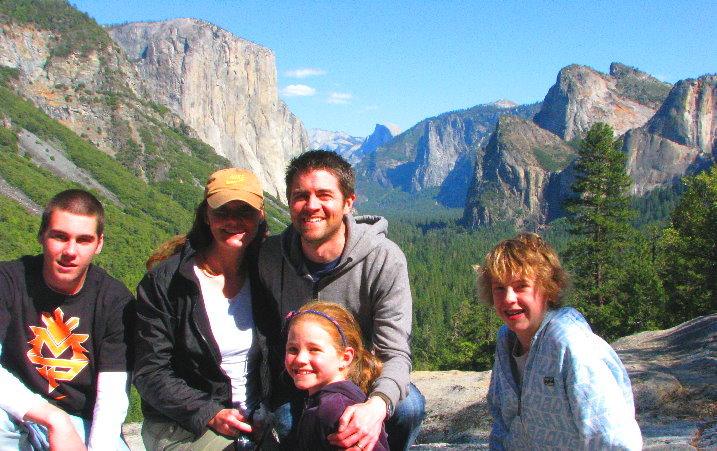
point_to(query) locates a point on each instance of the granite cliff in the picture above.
(518, 170)
(95, 92)
(153, 92)
(519, 177)
(680, 139)
(438, 153)
(518, 190)
(223, 86)
(582, 96)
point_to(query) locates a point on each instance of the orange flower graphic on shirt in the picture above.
(55, 339)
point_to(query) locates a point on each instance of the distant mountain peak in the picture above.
(340, 142)
(393, 128)
(503, 103)
(351, 147)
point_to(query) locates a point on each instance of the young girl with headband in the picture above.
(326, 357)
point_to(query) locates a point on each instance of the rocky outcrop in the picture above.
(438, 152)
(639, 86)
(655, 162)
(75, 89)
(95, 91)
(680, 139)
(689, 114)
(223, 86)
(583, 96)
(626, 98)
(441, 147)
(521, 166)
(673, 374)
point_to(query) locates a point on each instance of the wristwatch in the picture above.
(389, 404)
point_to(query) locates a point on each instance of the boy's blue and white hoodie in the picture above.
(575, 392)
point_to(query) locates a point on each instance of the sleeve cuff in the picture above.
(17, 399)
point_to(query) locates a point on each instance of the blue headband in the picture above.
(294, 313)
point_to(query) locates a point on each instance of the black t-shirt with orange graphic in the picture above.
(57, 344)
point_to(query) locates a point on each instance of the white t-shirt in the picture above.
(521, 358)
(232, 326)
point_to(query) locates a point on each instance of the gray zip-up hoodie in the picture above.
(370, 280)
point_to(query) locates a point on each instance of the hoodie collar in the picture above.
(556, 314)
(362, 233)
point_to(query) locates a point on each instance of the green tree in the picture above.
(689, 268)
(600, 213)
(636, 299)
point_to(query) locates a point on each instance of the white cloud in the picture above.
(339, 98)
(304, 72)
(298, 91)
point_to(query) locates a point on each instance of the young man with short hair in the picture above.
(328, 254)
(64, 336)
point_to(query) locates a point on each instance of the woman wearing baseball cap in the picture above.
(201, 347)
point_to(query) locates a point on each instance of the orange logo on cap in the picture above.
(57, 337)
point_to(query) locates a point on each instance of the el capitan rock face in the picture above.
(223, 86)
(184, 75)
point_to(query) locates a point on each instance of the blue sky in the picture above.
(347, 65)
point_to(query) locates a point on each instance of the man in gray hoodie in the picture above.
(328, 254)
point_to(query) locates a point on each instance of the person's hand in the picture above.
(61, 433)
(360, 425)
(230, 422)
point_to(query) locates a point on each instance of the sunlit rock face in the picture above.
(582, 96)
(519, 179)
(222, 86)
(678, 140)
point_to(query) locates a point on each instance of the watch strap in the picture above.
(387, 400)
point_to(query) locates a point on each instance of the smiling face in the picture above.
(521, 305)
(69, 243)
(317, 209)
(233, 225)
(312, 359)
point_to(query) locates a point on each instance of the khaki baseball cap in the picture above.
(226, 185)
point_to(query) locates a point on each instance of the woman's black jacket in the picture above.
(177, 371)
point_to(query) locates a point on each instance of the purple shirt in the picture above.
(321, 416)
